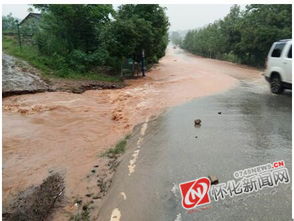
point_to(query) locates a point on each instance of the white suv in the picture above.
(278, 70)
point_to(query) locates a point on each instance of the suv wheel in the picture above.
(276, 85)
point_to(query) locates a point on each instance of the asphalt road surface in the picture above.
(254, 128)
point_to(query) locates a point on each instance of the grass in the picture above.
(119, 148)
(47, 64)
(81, 216)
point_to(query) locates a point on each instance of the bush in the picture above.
(52, 66)
(230, 57)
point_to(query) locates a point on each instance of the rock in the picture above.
(96, 166)
(77, 90)
(20, 78)
(219, 112)
(196, 136)
(111, 155)
(79, 202)
(89, 194)
(96, 197)
(93, 171)
(85, 207)
(197, 122)
(213, 180)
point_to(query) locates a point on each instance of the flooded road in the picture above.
(254, 128)
(67, 133)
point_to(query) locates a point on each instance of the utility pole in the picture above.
(18, 33)
(143, 65)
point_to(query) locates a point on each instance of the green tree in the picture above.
(242, 36)
(86, 35)
(9, 23)
(150, 26)
(74, 32)
(261, 25)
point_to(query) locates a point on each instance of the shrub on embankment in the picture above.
(75, 40)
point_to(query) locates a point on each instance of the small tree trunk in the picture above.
(121, 67)
(19, 37)
(133, 67)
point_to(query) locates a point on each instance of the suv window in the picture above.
(290, 52)
(278, 50)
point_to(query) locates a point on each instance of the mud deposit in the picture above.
(67, 133)
(37, 203)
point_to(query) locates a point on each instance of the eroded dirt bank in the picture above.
(19, 77)
(65, 132)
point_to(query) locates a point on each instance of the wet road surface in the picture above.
(253, 129)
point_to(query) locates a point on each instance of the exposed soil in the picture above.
(80, 86)
(37, 203)
(18, 77)
(67, 132)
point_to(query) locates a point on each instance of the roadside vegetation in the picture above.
(48, 65)
(119, 148)
(92, 42)
(243, 36)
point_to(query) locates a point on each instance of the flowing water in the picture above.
(59, 131)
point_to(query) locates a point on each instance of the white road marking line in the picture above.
(123, 195)
(144, 127)
(115, 215)
(175, 190)
(139, 142)
(179, 217)
(132, 164)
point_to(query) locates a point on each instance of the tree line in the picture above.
(83, 37)
(9, 23)
(242, 36)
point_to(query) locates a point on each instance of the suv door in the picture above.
(276, 58)
(287, 63)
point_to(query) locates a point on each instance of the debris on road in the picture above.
(89, 194)
(213, 180)
(197, 122)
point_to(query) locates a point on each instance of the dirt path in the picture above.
(65, 132)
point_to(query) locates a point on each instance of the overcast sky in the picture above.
(181, 17)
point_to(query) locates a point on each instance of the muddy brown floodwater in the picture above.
(65, 132)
